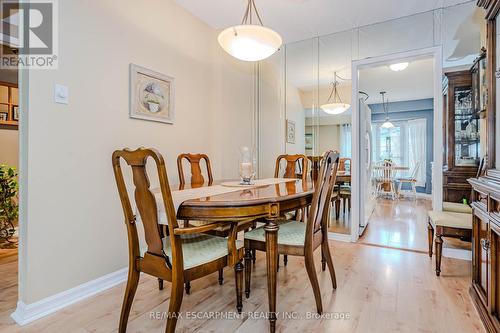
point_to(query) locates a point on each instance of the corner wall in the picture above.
(71, 214)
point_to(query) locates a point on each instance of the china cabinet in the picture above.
(462, 136)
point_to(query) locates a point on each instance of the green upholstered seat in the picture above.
(289, 233)
(456, 207)
(198, 249)
(450, 219)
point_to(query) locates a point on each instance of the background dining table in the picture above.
(267, 204)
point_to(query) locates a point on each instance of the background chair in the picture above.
(198, 180)
(383, 175)
(412, 180)
(183, 254)
(301, 239)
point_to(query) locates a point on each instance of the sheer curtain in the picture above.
(417, 148)
(345, 140)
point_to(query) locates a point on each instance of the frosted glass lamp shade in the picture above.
(335, 108)
(250, 42)
(387, 124)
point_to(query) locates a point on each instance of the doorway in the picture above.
(398, 123)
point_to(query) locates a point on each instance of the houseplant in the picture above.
(9, 208)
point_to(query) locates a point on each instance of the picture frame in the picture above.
(4, 116)
(15, 113)
(290, 131)
(152, 95)
(309, 141)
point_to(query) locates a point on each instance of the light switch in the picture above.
(61, 94)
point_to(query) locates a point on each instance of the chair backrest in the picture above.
(315, 166)
(319, 211)
(383, 171)
(146, 204)
(342, 163)
(194, 160)
(292, 161)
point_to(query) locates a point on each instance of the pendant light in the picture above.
(385, 105)
(249, 41)
(336, 106)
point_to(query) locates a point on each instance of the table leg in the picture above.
(271, 229)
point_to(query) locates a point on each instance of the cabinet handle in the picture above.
(485, 244)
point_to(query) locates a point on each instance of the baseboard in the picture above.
(339, 237)
(26, 313)
(457, 254)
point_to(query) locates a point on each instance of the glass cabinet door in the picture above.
(467, 125)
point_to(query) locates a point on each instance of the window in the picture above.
(404, 144)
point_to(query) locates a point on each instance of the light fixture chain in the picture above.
(249, 12)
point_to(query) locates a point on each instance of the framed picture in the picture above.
(151, 95)
(290, 131)
(4, 116)
(309, 141)
(15, 113)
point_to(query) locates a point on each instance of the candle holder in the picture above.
(246, 166)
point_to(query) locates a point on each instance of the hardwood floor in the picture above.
(403, 224)
(382, 290)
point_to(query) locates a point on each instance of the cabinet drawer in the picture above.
(494, 208)
(480, 200)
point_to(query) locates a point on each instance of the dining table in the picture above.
(266, 201)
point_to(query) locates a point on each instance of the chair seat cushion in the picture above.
(198, 249)
(456, 207)
(450, 219)
(289, 233)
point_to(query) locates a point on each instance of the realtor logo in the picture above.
(30, 28)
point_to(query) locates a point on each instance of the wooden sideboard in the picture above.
(485, 288)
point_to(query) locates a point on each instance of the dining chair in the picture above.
(302, 239)
(182, 254)
(198, 180)
(412, 180)
(384, 177)
(295, 167)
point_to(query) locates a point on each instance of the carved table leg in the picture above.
(430, 236)
(271, 229)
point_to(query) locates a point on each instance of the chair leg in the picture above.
(285, 259)
(132, 282)
(337, 209)
(188, 287)
(221, 277)
(439, 248)
(311, 272)
(400, 185)
(248, 271)
(254, 256)
(430, 238)
(328, 257)
(238, 275)
(323, 260)
(160, 284)
(175, 302)
(414, 187)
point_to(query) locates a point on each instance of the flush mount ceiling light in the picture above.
(335, 106)
(401, 66)
(248, 41)
(385, 105)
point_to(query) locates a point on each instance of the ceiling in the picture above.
(301, 19)
(413, 83)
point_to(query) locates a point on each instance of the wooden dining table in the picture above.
(268, 204)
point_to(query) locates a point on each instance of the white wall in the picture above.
(295, 112)
(72, 215)
(9, 147)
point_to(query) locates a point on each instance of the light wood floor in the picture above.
(383, 290)
(403, 224)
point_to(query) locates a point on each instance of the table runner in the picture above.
(179, 196)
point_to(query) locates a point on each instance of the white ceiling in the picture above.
(413, 83)
(301, 19)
